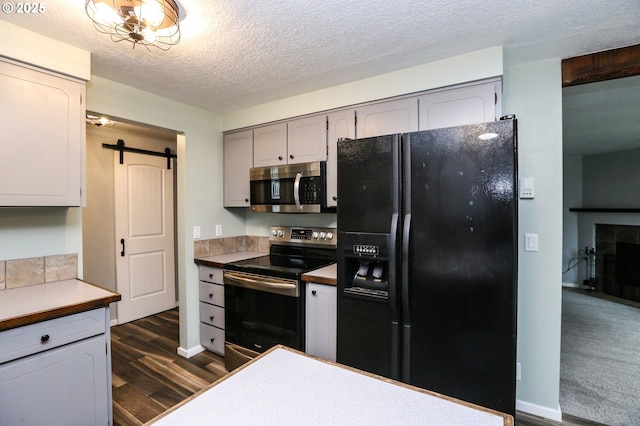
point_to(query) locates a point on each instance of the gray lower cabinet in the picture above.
(211, 309)
(321, 321)
(57, 371)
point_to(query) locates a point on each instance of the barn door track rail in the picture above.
(120, 147)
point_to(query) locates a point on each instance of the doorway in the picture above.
(101, 245)
(600, 145)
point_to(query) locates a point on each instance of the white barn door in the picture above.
(145, 266)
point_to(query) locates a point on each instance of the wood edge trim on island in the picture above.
(601, 66)
(507, 418)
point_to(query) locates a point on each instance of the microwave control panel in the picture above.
(311, 191)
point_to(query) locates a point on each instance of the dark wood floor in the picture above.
(149, 377)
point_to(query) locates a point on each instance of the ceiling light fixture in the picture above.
(146, 22)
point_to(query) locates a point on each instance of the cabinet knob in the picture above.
(210, 275)
(335, 198)
(314, 292)
(280, 157)
(44, 338)
(246, 200)
(211, 318)
(210, 295)
(291, 156)
(212, 339)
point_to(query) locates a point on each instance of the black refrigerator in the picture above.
(427, 259)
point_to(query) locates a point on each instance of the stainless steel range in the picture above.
(264, 298)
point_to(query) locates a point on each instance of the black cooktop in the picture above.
(286, 262)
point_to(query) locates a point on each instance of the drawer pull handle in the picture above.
(44, 338)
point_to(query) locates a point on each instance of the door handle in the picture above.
(122, 242)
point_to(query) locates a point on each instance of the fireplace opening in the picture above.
(618, 260)
(627, 267)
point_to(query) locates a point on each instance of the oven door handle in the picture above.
(262, 283)
(296, 191)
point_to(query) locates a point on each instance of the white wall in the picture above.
(533, 93)
(572, 197)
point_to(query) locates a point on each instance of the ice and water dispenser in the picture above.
(366, 264)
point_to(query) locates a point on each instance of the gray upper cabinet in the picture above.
(307, 139)
(465, 105)
(238, 159)
(340, 124)
(43, 141)
(270, 145)
(385, 118)
(296, 141)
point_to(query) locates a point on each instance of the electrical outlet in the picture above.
(218, 230)
(518, 371)
(196, 232)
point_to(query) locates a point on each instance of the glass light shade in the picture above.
(147, 22)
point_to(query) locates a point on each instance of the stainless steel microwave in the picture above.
(290, 188)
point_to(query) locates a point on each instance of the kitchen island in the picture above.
(285, 386)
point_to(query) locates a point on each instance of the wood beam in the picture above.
(601, 66)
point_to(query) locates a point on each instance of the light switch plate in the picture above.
(196, 231)
(531, 242)
(218, 230)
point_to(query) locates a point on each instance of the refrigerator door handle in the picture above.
(406, 312)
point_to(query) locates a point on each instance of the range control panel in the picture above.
(303, 235)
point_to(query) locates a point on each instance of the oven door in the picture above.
(263, 311)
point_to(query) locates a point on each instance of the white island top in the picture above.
(287, 387)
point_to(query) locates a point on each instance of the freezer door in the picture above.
(368, 224)
(459, 265)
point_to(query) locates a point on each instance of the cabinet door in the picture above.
(43, 138)
(386, 118)
(238, 159)
(321, 321)
(341, 124)
(457, 107)
(270, 145)
(64, 386)
(307, 139)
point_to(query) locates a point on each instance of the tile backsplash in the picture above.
(218, 246)
(37, 270)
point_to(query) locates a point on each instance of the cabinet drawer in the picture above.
(212, 315)
(212, 275)
(45, 335)
(212, 293)
(212, 338)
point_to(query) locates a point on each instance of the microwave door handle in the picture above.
(296, 191)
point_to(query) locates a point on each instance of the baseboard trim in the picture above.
(570, 285)
(540, 411)
(188, 353)
(113, 323)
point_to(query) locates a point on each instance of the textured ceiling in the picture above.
(238, 53)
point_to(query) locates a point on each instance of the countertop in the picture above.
(219, 261)
(284, 386)
(40, 302)
(325, 275)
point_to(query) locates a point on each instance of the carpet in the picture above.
(600, 360)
